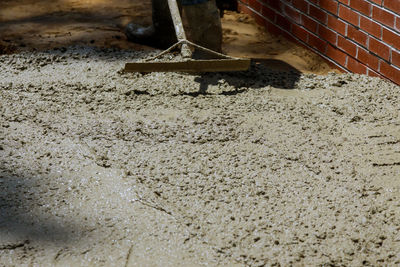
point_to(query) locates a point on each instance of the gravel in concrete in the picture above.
(103, 168)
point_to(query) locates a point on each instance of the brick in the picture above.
(383, 16)
(327, 34)
(371, 26)
(308, 23)
(293, 14)
(392, 38)
(378, 2)
(335, 66)
(318, 14)
(273, 29)
(283, 22)
(268, 13)
(367, 58)
(347, 46)
(393, 5)
(396, 58)
(290, 37)
(301, 5)
(379, 48)
(374, 74)
(346, 2)
(300, 33)
(356, 35)
(337, 25)
(337, 55)
(317, 43)
(390, 72)
(356, 66)
(255, 5)
(362, 6)
(277, 5)
(260, 20)
(397, 27)
(245, 9)
(329, 5)
(349, 15)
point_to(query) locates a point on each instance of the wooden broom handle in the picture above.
(179, 30)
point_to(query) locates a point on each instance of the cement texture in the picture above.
(103, 168)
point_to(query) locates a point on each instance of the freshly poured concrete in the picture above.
(102, 168)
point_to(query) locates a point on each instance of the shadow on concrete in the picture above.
(25, 216)
(262, 73)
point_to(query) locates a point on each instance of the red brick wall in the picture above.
(361, 36)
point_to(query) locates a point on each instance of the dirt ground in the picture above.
(40, 25)
(269, 167)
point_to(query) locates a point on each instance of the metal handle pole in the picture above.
(179, 30)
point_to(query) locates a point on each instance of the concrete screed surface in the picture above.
(102, 168)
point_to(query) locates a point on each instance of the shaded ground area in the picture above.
(27, 25)
(40, 25)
